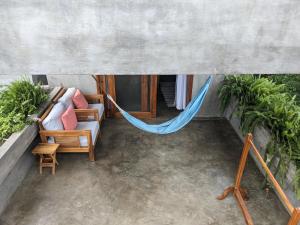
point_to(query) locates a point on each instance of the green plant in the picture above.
(17, 102)
(264, 102)
(292, 82)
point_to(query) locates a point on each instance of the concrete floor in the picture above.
(141, 178)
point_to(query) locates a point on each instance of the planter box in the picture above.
(261, 137)
(16, 158)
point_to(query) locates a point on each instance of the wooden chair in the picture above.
(69, 140)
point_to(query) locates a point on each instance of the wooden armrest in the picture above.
(94, 97)
(59, 94)
(82, 114)
(65, 133)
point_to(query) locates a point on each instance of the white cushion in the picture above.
(93, 126)
(53, 120)
(100, 108)
(66, 99)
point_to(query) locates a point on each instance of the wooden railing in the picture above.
(241, 194)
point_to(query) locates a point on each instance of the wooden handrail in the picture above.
(279, 190)
(241, 195)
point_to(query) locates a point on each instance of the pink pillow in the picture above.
(79, 100)
(69, 119)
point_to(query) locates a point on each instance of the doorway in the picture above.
(174, 93)
(142, 95)
(136, 94)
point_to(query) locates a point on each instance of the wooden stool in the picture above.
(47, 153)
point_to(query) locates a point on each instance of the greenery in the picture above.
(269, 102)
(292, 83)
(18, 101)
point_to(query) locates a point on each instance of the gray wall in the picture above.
(211, 104)
(134, 37)
(86, 84)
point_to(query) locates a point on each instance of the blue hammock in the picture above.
(174, 124)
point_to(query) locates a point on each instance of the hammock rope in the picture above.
(174, 124)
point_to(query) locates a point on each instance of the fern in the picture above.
(264, 101)
(18, 101)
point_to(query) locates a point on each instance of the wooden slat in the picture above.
(140, 115)
(94, 98)
(73, 149)
(144, 93)
(59, 94)
(153, 95)
(68, 141)
(62, 133)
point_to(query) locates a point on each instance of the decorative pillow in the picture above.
(80, 101)
(53, 120)
(66, 99)
(69, 119)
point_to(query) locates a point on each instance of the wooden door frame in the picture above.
(107, 83)
(189, 88)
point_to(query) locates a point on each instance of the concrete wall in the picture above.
(85, 83)
(133, 37)
(211, 104)
(7, 79)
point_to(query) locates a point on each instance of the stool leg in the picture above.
(53, 164)
(41, 162)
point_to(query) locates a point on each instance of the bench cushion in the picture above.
(100, 108)
(91, 125)
(66, 99)
(53, 120)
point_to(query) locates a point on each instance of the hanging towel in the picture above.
(180, 93)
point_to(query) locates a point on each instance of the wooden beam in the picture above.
(140, 115)
(101, 89)
(112, 91)
(189, 89)
(144, 93)
(153, 95)
(270, 176)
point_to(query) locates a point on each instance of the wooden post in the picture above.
(153, 95)
(144, 93)
(243, 161)
(189, 88)
(112, 92)
(295, 218)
